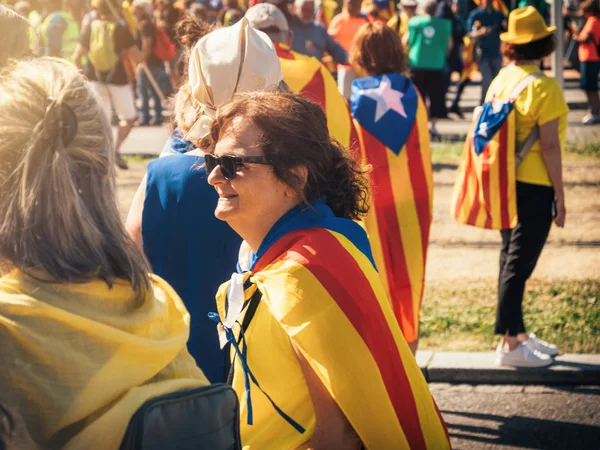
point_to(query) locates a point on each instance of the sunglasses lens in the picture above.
(211, 163)
(228, 167)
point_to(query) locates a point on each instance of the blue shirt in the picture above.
(190, 248)
(312, 39)
(490, 44)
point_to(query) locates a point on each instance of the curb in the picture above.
(480, 368)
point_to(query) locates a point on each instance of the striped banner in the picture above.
(397, 150)
(356, 347)
(306, 76)
(485, 190)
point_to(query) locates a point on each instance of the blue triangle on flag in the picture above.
(386, 106)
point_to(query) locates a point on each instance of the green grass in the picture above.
(461, 318)
(451, 152)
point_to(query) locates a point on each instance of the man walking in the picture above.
(485, 24)
(104, 41)
(429, 41)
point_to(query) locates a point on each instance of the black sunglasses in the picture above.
(230, 164)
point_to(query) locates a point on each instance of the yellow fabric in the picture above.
(296, 306)
(393, 23)
(541, 102)
(79, 360)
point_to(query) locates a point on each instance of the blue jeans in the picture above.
(489, 68)
(145, 91)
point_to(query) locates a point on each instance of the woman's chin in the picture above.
(225, 212)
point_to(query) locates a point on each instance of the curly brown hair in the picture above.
(377, 49)
(294, 134)
(532, 50)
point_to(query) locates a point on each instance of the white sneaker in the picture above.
(521, 356)
(590, 119)
(535, 343)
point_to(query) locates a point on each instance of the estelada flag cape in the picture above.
(317, 276)
(306, 76)
(485, 189)
(391, 120)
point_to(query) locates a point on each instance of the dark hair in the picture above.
(591, 7)
(532, 50)
(377, 49)
(294, 134)
(190, 30)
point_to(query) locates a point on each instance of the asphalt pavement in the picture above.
(520, 417)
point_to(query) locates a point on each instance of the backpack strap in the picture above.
(534, 134)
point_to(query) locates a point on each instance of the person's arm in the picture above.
(585, 35)
(133, 224)
(450, 45)
(332, 429)
(336, 51)
(551, 153)
(78, 54)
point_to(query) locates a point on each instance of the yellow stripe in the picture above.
(433, 432)
(296, 73)
(338, 116)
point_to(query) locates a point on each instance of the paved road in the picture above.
(520, 417)
(150, 140)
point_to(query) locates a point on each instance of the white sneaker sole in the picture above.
(528, 364)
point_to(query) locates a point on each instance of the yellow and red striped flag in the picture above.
(391, 120)
(306, 76)
(319, 284)
(485, 191)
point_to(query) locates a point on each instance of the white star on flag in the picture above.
(386, 97)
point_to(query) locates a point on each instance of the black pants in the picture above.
(521, 248)
(431, 84)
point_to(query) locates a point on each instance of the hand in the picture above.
(561, 211)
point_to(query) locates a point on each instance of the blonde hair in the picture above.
(14, 33)
(58, 211)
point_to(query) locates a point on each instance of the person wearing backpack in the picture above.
(105, 40)
(157, 49)
(60, 29)
(539, 184)
(589, 58)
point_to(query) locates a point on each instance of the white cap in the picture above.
(227, 61)
(266, 15)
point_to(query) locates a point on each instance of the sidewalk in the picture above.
(479, 368)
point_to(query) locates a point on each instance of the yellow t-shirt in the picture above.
(393, 24)
(541, 102)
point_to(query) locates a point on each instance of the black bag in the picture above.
(203, 418)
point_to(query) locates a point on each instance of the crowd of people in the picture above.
(300, 204)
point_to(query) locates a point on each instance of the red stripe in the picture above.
(390, 235)
(465, 182)
(418, 180)
(485, 181)
(503, 168)
(283, 53)
(314, 90)
(344, 279)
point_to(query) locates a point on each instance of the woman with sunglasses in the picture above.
(321, 361)
(172, 217)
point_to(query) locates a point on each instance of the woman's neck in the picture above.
(255, 230)
(529, 62)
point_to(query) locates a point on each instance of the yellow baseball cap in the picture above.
(526, 25)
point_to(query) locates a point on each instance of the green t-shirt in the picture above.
(428, 42)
